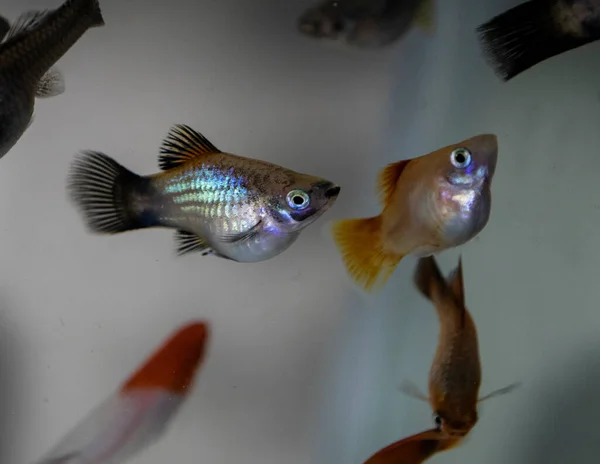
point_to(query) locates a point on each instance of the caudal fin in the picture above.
(138, 414)
(359, 242)
(92, 9)
(415, 449)
(104, 192)
(428, 278)
(532, 32)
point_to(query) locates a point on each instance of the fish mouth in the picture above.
(333, 191)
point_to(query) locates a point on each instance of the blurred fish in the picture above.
(237, 208)
(29, 49)
(415, 449)
(430, 203)
(136, 416)
(535, 31)
(455, 375)
(366, 23)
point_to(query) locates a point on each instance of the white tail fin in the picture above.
(135, 416)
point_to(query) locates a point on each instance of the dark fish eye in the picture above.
(298, 199)
(460, 158)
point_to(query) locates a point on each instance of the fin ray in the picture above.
(100, 188)
(182, 145)
(361, 248)
(188, 242)
(388, 179)
(51, 84)
(528, 34)
(25, 23)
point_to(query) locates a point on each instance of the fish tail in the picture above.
(361, 246)
(532, 32)
(428, 278)
(107, 194)
(90, 8)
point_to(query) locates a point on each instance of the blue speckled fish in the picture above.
(29, 49)
(222, 204)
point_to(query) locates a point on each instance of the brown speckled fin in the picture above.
(182, 145)
(388, 178)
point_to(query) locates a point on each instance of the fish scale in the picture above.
(220, 204)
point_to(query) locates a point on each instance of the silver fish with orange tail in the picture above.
(366, 23)
(221, 204)
(28, 52)
(430, 203)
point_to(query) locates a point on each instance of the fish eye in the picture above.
(298, 199)
(460, 158)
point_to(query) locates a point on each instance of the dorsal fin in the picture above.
(388, 178)
(25, 23)
(181, 145)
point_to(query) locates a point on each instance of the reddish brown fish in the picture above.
(455, 375)
(430, 203)
(415, 449)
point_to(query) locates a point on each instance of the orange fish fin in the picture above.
(428, 278)
(172, 367)
(415, 449)
(182, 145)
(359, 243)
(500, 392)
(388, 178)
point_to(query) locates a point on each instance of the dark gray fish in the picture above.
(221, 204)
(28, 52)
(366, 23)
(536, 31)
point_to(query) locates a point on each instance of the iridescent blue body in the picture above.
(238, 208)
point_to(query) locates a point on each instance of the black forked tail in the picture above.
(105, 194)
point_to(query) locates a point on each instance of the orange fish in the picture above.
(430, 203)
(415, 449)
(455, 375)
(135, 416)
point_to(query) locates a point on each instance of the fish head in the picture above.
(298, 200)
(456, 427)
(470, 164)
(336, 19)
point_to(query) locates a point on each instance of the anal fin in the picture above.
(188, 242)
(51, 84)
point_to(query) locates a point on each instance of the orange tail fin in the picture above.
(361, 247)
(173, 365)
(415, 449)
